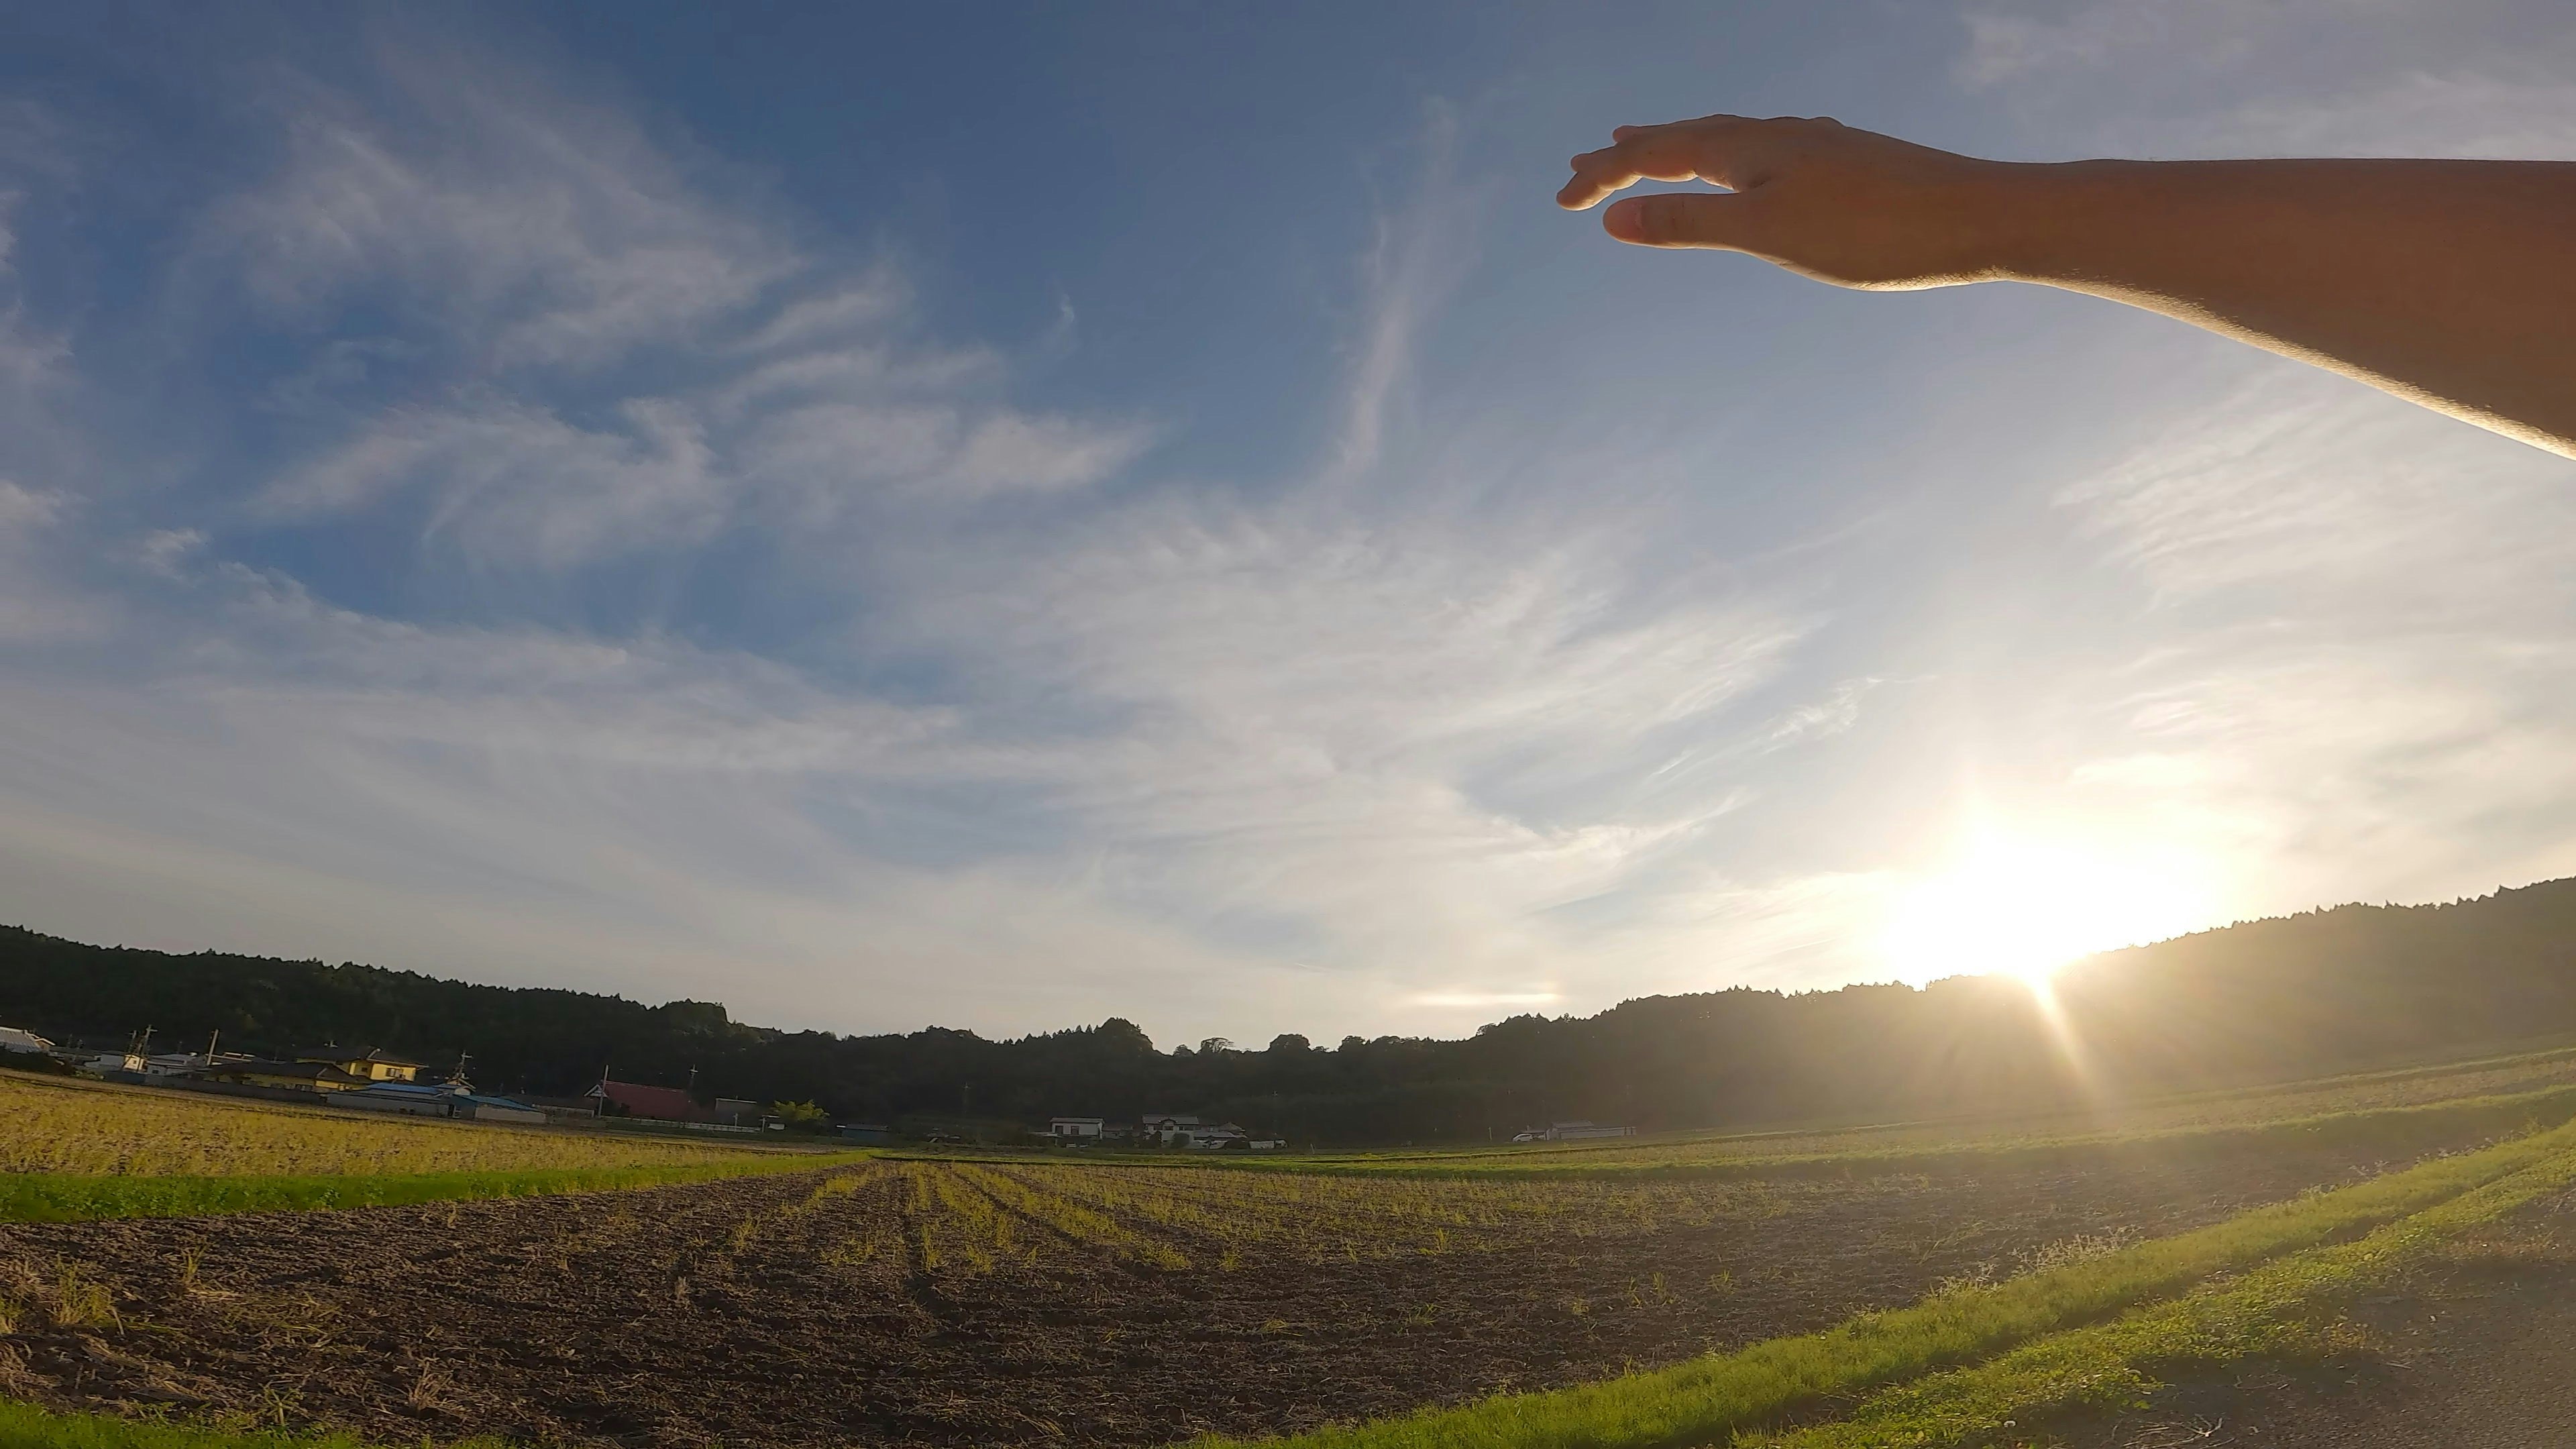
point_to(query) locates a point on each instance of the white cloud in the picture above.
(2294, 78)
(2301, 477)
(2355, 671)
(2003, 46)
(529, 228)
(1012, 453)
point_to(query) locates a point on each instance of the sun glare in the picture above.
(2023, 908)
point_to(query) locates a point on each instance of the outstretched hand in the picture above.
(2444, 282)
(1850, 207)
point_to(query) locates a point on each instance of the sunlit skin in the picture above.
(2449, 283)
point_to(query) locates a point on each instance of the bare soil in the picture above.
(768, 1311)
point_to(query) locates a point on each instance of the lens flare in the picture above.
(2024, 906)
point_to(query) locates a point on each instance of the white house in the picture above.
(1074, 1130)
(1166, 1127)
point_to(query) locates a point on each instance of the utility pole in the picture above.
(211, 1038)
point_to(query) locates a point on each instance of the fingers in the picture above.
(1680, 220)
(1711, 148)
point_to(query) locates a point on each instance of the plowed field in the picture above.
(975, 1304)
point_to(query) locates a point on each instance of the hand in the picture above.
(1850, 207)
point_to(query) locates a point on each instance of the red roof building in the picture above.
(659, 1104)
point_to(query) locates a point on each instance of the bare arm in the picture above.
(2451, 283)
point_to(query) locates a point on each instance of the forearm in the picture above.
(2452, 283)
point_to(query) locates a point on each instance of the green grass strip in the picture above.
(1707, 1398)
(2279, 1309)
(2400, 1131)
(23, 1426)
(62, 1197)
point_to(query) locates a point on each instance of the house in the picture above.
(13, 1039)
(1165, 1128)
(655, 1104)
(1074, 1131)
(279, 1075)
(736, 1112)
(1225, 1138)
(125, 1063)
(371, 1065)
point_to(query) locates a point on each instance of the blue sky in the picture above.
(1001, 517)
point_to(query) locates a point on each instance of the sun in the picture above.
(2024, 906)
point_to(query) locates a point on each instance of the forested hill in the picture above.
(2328, 991)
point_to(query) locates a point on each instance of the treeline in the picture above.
(2329, 991)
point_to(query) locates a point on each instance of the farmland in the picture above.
(52, 1125)
(2432, 1103)
(1620, 1293)
(993, 1301)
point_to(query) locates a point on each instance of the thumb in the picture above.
(1678, 220)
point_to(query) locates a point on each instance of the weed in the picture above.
(2067, 1252)
(82, 1302)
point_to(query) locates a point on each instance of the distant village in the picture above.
(369, 1079)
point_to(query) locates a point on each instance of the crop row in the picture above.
(973, 1217)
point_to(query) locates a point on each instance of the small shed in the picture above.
(497, 1109)
(1074, 1131)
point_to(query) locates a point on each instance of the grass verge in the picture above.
(26, 1427)
(1709, 1398)
(2282, 1308)
(61, 1197)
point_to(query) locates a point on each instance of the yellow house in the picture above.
(370, 1065)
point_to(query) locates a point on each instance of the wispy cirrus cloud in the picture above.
(1030, 749)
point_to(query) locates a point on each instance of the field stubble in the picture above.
(974, 1303)
(55, 1126)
